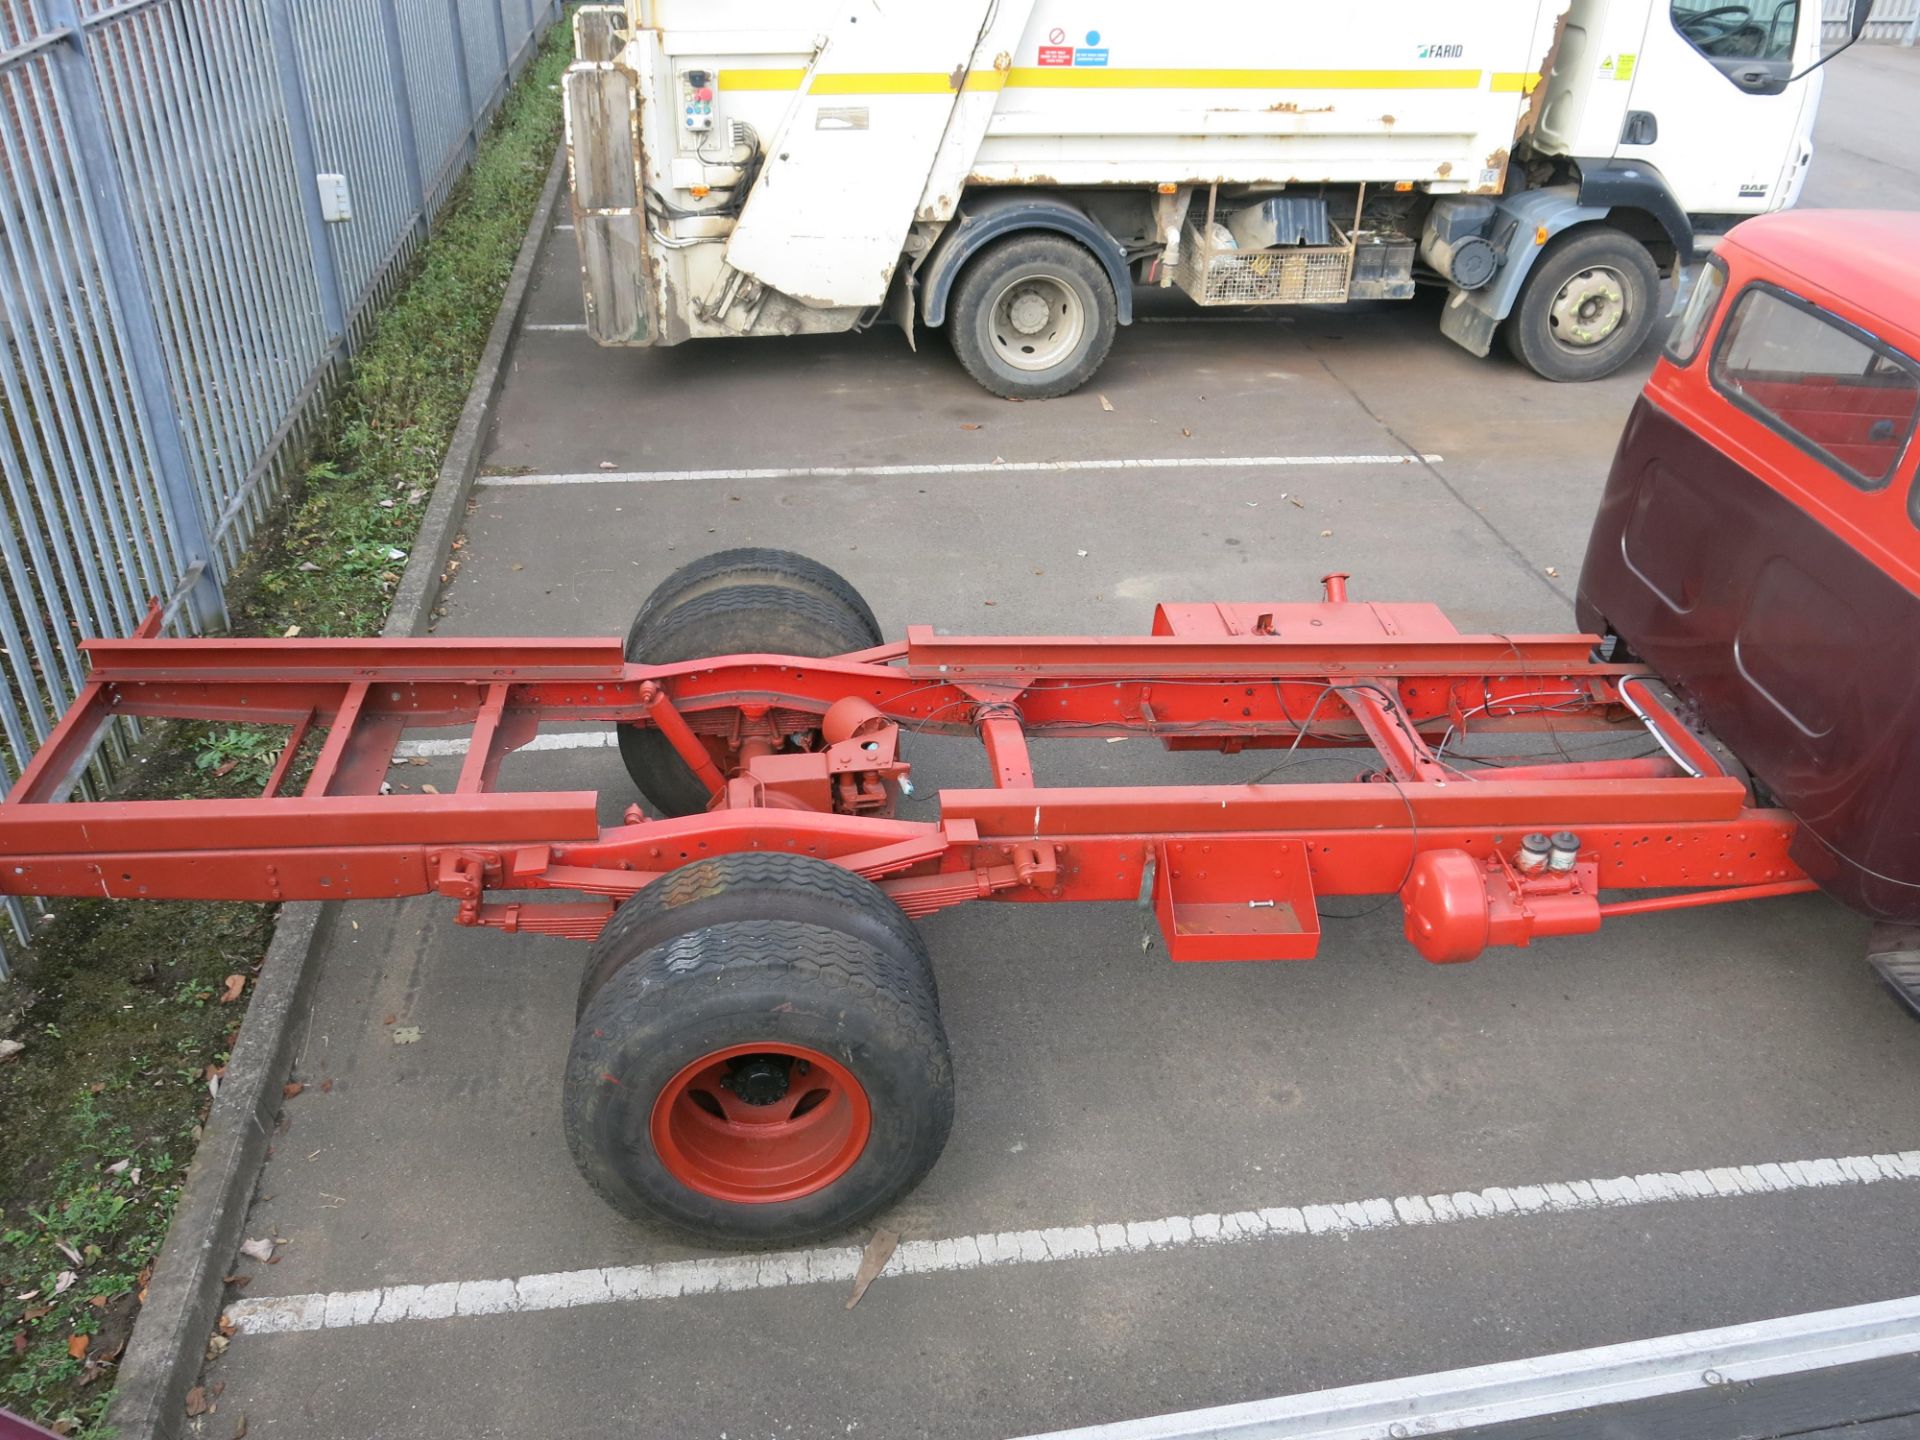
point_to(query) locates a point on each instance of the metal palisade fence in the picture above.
(202, 202)
(1893, 21)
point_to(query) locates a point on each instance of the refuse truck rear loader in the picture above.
(1009, 170)
(759, 1055)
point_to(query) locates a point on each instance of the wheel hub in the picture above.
(760, 1079)
(1028, 311)
(1037, 321)
(1589, 308)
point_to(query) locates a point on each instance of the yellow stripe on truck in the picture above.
(1088, 77)
(1513, 82)
(761, 79)
(901, 83)
(1063, 77)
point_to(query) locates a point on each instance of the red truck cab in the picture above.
(1758, 541)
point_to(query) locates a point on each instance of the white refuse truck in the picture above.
(1009, 170)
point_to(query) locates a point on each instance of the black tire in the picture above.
(1542, 342)
(751, 885)
(752, 565)
(757, 983)
(732, 620)
(984, 342)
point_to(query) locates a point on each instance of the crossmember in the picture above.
(805, 756)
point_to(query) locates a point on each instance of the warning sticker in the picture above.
(1091, 53)
(1056, 55)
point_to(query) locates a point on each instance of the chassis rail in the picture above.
(803, 755)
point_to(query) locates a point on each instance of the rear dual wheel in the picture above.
(734, 602)
(762, 1080)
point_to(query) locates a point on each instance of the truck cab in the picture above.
(1758, 540)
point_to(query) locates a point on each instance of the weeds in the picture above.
(123, 1013)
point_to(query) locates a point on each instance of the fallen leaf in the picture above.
(308, 567)
(197, 1401)
(119, 1167)
(236, 987)
(1186, 432)
(11, 1048)
(225, 767)
(989, 602)
(1325, 534)
(872, 1261)
(19, 1342)
(326, 1087)
(77, 1346)
(606, 464)
(62, 1426)
(226, 1326)
(291, 631)
(261, 1249)
(36, 1312)
(217, 1346)
(239, 1282)
(240, 1430)
(426, 789)
(1296, 500)
(1553, 572)
(67, 1250)
(1105, 403)
(967, 426)
(63, 1282)
(390, 1019)
(99, 1302)
(516, 567)
(1081, 553)
(386, 504)
(291, 1089)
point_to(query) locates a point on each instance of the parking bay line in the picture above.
(680, 1279)
(980, 467)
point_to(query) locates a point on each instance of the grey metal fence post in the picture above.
(403, 107)
(500, 38)
(132, 305)
(1913, 27)
(461, 76)
(306, 179)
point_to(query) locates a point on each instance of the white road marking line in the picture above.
(557, 329)
(678, 1279)
(563, 227)
(427, 749)
(983, 467)
(1449, 1401)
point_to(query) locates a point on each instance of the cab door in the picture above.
(1710, 105)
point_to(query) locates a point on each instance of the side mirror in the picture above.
(1857, 19)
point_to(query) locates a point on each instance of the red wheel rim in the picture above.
(756, 1124)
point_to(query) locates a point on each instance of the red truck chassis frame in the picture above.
(804, 756)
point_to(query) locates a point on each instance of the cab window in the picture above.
(1741, 39)
(1708, 287)
(1832, 389)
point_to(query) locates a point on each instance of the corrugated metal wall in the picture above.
(172, 303)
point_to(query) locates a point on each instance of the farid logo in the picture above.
(1442, 52)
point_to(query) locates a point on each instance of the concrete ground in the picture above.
(1097, 1082)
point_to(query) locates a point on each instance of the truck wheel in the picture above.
(759, 1082)
(756, 566)
(751, 885)
(783, 613)
(1586, 307)
(1033, 316)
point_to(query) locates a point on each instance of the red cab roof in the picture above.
(1867, 258)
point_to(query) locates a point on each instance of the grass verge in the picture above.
(119, 1023)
